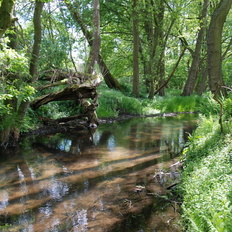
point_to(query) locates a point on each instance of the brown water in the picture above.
(93, 181)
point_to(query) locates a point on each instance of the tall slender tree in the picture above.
(192, 76)
(95, 48)
(135, 21)
(214, 45)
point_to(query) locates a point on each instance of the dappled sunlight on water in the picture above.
(92, 181)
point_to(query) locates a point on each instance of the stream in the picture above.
(107, 180)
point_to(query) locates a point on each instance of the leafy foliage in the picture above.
(207, 177)
(12, 61)
(14, 76)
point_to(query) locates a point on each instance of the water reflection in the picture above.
(3, 199)
(87, 182)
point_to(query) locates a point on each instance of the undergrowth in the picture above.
(113, 103)
(207, 178)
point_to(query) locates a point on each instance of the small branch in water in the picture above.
(172, 202)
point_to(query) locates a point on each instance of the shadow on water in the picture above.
(99, 180)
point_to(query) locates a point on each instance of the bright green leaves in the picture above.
(16, 90)
(13, 62)
(207, 179)
(14, 80)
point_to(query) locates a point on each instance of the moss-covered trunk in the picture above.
(6, 18)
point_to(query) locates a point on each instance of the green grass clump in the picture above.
(207, 178)
(179, 103)
(112, 103)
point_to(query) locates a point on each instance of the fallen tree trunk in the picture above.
(71, 92)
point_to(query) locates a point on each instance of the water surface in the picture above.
(95, 180)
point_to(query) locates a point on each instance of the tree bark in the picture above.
(214, 40)
(111, 82)
(6, 18)
(192, 76)
(151, 42)
(202, 85)
(135, 48)
(35, 54)
(37, 38)
(72, 92)
(160, 73)
(95, 48)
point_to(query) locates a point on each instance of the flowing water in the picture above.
(99, 180)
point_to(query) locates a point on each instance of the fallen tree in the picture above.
(74, 86)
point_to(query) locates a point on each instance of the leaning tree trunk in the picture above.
(192, 77)
(108, 77)
(214, 42)
(164, 83)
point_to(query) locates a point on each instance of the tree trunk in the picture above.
(202, 85)
(164, 83)
(6, 18)
(160, 73)
(95, 48)
(151, 42)
(37, 38)
(155, 42)
(111, 82)
(190, 83)
(214, 40)
(135, 48)
(108, 77)
(34, 56)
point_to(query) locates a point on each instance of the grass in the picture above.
(180, 104)
(112, 103)
(207, 178)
